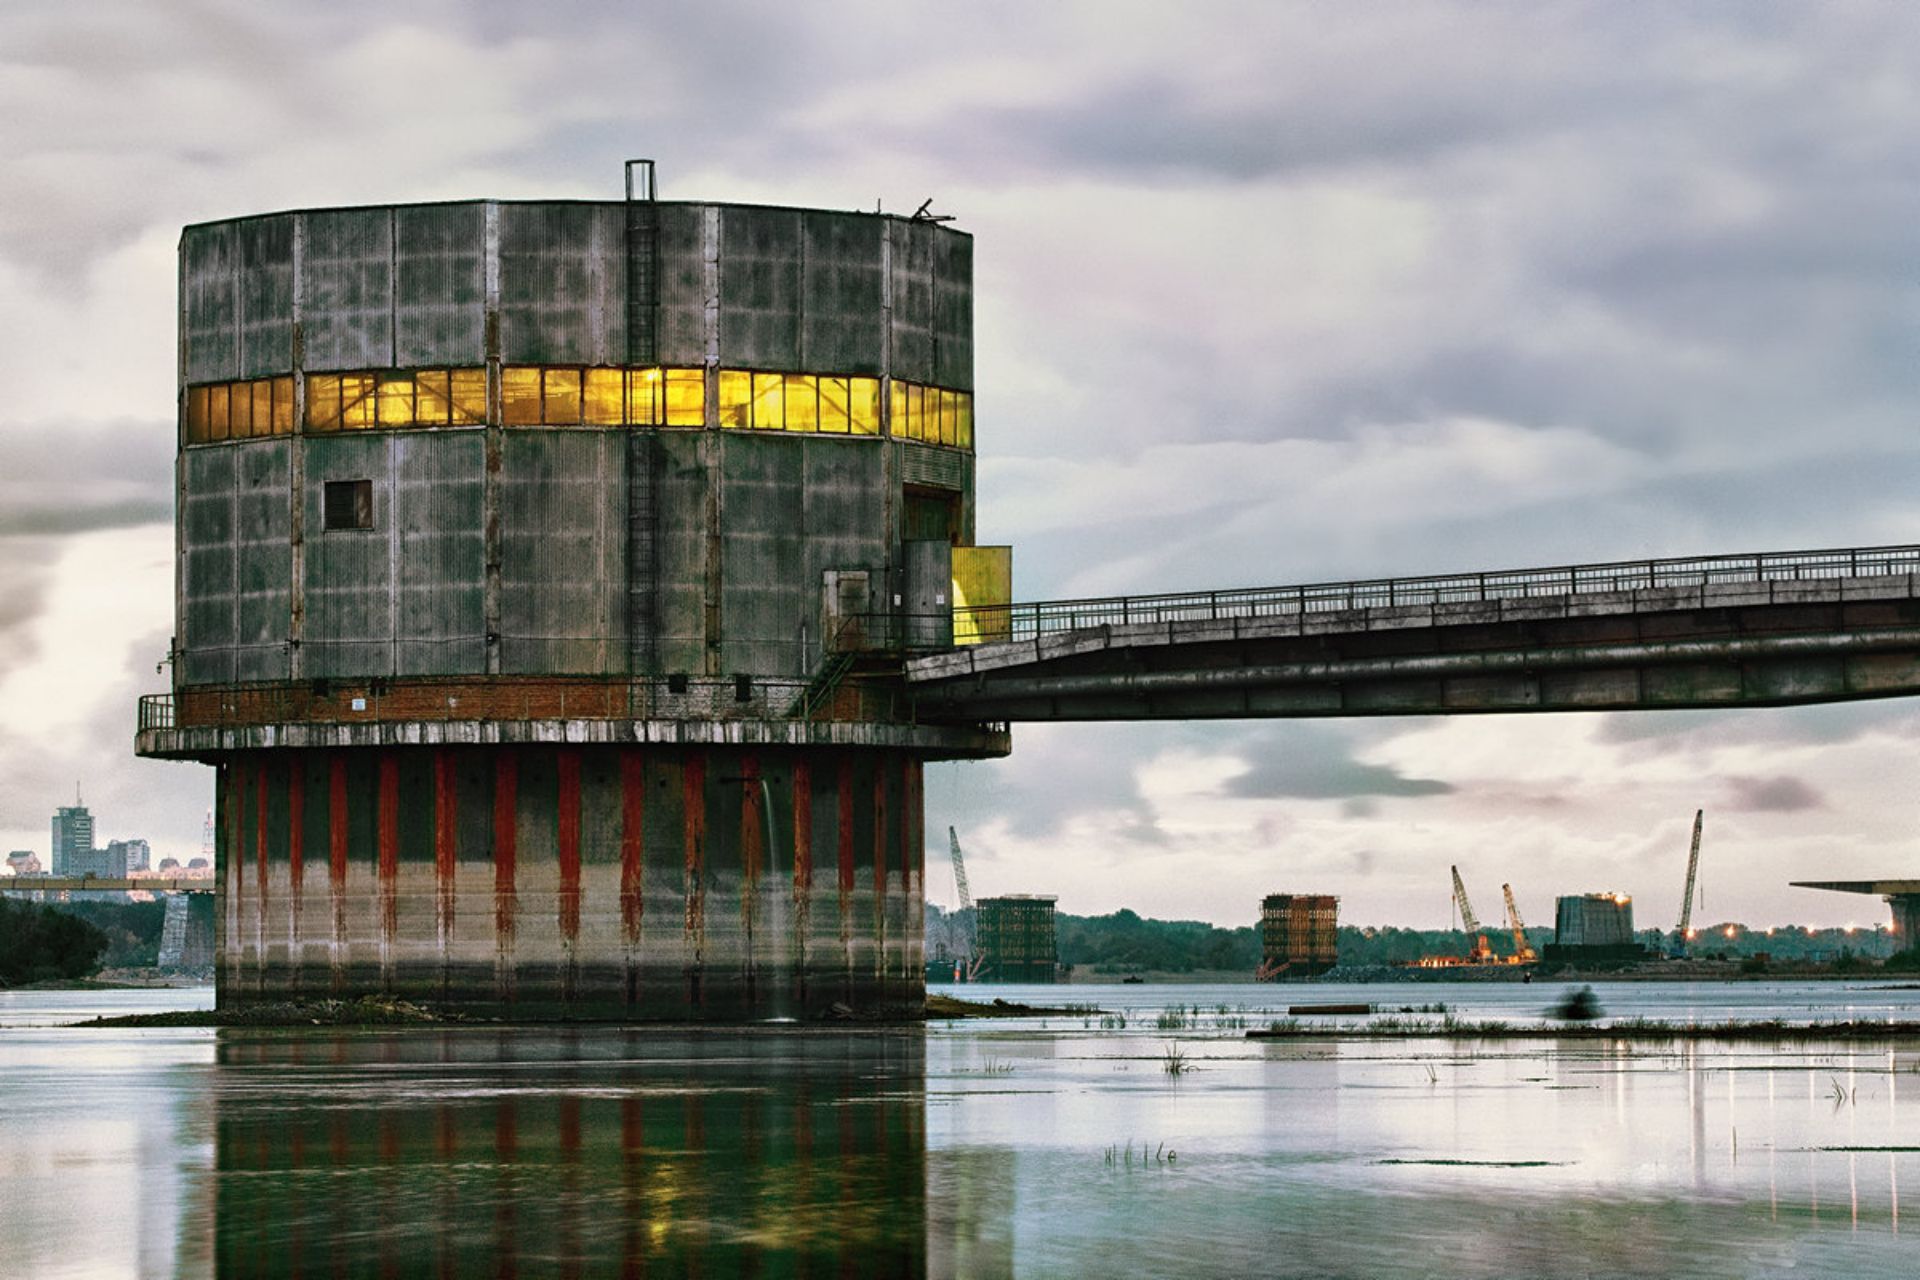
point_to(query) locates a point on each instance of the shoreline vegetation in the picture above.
(373, 1012)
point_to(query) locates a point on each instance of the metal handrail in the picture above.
(1029, 620)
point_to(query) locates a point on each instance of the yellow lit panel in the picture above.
(432, 398)
(520, 396)
(863, 397)
(834, 404)
(323, 402)
(982, 588)
(897, 420)
(562, 406)
(769, 402)
(261, 390)
(217, 411)
(686, 398)
(803, 402)
(604, 402)
(467, 388)
(394, 400)
(283, 406)
(196, 415)
(357, 400)
(736, 398)
(963, 423)
(643, 397)
(916, 411)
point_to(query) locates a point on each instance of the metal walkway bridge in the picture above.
(1748, 630)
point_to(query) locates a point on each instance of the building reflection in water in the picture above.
(576, 1152)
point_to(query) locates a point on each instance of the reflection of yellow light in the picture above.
(1729, 931)
(1621, 899)
(1850, 928)
(1692, 934)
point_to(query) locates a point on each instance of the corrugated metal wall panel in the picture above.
(937, 468)
(207, 559)
(440, 288)
(563, 274)
(208, 259)
(681, 335)
(563, 602)
(912, 332)
(760, 288)
(766, 599)
(681, 603)
(843, 326)
(441, 568)
(264, 551)
(266, 295)
(347, 288)
(953, 311)
(845, 488)
(349, 580)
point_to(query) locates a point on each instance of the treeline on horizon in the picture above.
(1126, 942)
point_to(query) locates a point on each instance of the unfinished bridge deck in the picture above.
(1748, 630)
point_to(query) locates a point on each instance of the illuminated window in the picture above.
(916, 411)
(468, 389)
(347, 504)
(736, 398)
(769, 402)
(520, 396)
(433, 398)
(357, 404)
(897, 419)
(562, 388)
(686, 398)
(643, 398)
(803, 402)
(196, 415)
(217, 411)
(282, 406)
(323, 402)
(394, 400)
(863, 396)
(963, 421)
(833, 405)
(605, 400)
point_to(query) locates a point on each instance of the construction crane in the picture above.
(1522, 952)
(968, 966)
(1478, 952)
(1683, 932)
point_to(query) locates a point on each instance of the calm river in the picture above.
(1063, 1147)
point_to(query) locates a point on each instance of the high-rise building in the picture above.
(130, 855)
(72, 838)
(1016, 938)
(1299, 934)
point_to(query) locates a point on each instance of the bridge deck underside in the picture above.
(1747, 644)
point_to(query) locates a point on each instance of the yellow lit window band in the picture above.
(564, 396)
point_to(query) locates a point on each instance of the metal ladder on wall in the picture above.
(643, 453)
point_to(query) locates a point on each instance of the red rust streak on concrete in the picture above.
(389, 838)
(443, 846)
(569, 835)
(296, 850)
(260, 849)
(633, 800)
(506, 778)
(337, 857)
(694, 822)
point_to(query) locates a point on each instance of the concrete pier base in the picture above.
(582, 882)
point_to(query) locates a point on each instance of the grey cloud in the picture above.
(1304, 762)
(1772, 795)
(65, 477)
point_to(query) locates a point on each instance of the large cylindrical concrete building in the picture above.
(544, 574)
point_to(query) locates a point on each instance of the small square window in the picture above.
(348, 504)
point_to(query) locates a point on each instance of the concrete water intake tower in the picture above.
(545, 576)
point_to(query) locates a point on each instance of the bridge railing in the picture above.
(1026, 621)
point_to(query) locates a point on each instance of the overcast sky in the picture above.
(1265, 293)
